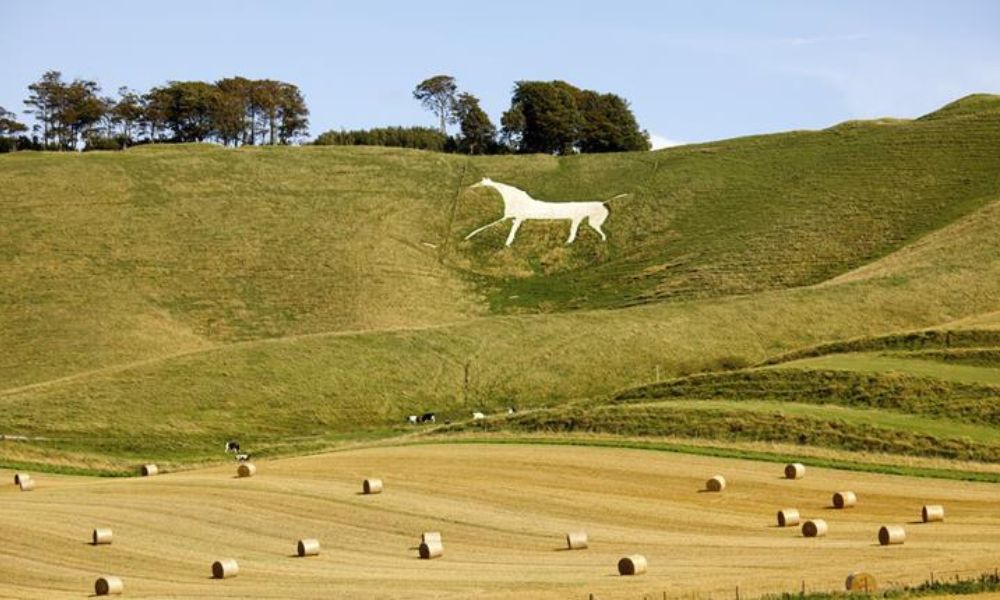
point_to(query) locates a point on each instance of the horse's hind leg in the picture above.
(595, 222)
(572, 230)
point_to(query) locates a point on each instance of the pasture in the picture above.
(503, 512)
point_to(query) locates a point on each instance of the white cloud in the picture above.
(658, 141)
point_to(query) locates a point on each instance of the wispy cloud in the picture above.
(824, 39)
(659, 142)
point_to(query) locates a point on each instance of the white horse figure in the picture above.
(520, 207)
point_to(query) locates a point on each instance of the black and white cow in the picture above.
(233, 446)
(427, 418)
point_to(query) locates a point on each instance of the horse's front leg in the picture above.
(513, 231)
(572, 230)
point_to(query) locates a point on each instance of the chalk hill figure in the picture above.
(520, 207)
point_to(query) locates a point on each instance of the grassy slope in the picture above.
(110, 258)
(213, 242)
(321, 385)
(116, 257)
(742, 215)
(881, 362)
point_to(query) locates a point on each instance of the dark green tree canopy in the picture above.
(420, 138)
(478, 132)
(608, 124)
(555, 117)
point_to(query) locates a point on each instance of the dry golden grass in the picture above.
(504, 511)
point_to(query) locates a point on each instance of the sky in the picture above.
(692, 71)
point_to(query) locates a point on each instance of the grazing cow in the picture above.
(243, 457)
(412, 419)
(511, 410)
(233, 446)
(476, 416)
(427, 418)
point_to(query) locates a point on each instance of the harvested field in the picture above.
(169, 528)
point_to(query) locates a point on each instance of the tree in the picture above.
(229, 109)
(556, 117)
(236, 112)
(608, 124)
(82, 108)
(512, 127)
(437, 94)
(547, 115)
(186, 108)
(267, 97)
(128, 113)
(155, 110)
(45, 99)
(478, 132)
(294, 114)
(9, 126)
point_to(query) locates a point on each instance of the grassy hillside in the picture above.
(738, 216)
(157, 301)
(281, 392)
(111, 258)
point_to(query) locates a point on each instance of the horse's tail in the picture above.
(614, 198)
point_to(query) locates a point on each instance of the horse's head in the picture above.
(485, 182)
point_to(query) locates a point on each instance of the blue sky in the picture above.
(693, 71)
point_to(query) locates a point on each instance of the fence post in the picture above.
(803, 593)
(737, 592)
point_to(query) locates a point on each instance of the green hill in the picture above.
(158, 300)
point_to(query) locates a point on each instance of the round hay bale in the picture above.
(148, 470)
(932, 513)
(891, 535)
(788, 517)
(576, 540)
(844, 500)
(308, 547)
(101, 535)
(716, 484)
(246, 470)
(860, 582)
(223, 569)
(430, 536)
(795, 471)
(814, 528)
(431, 549)
(19, 477)
(632, 565)
(372, 486)
(27, 485)
(108, 586)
